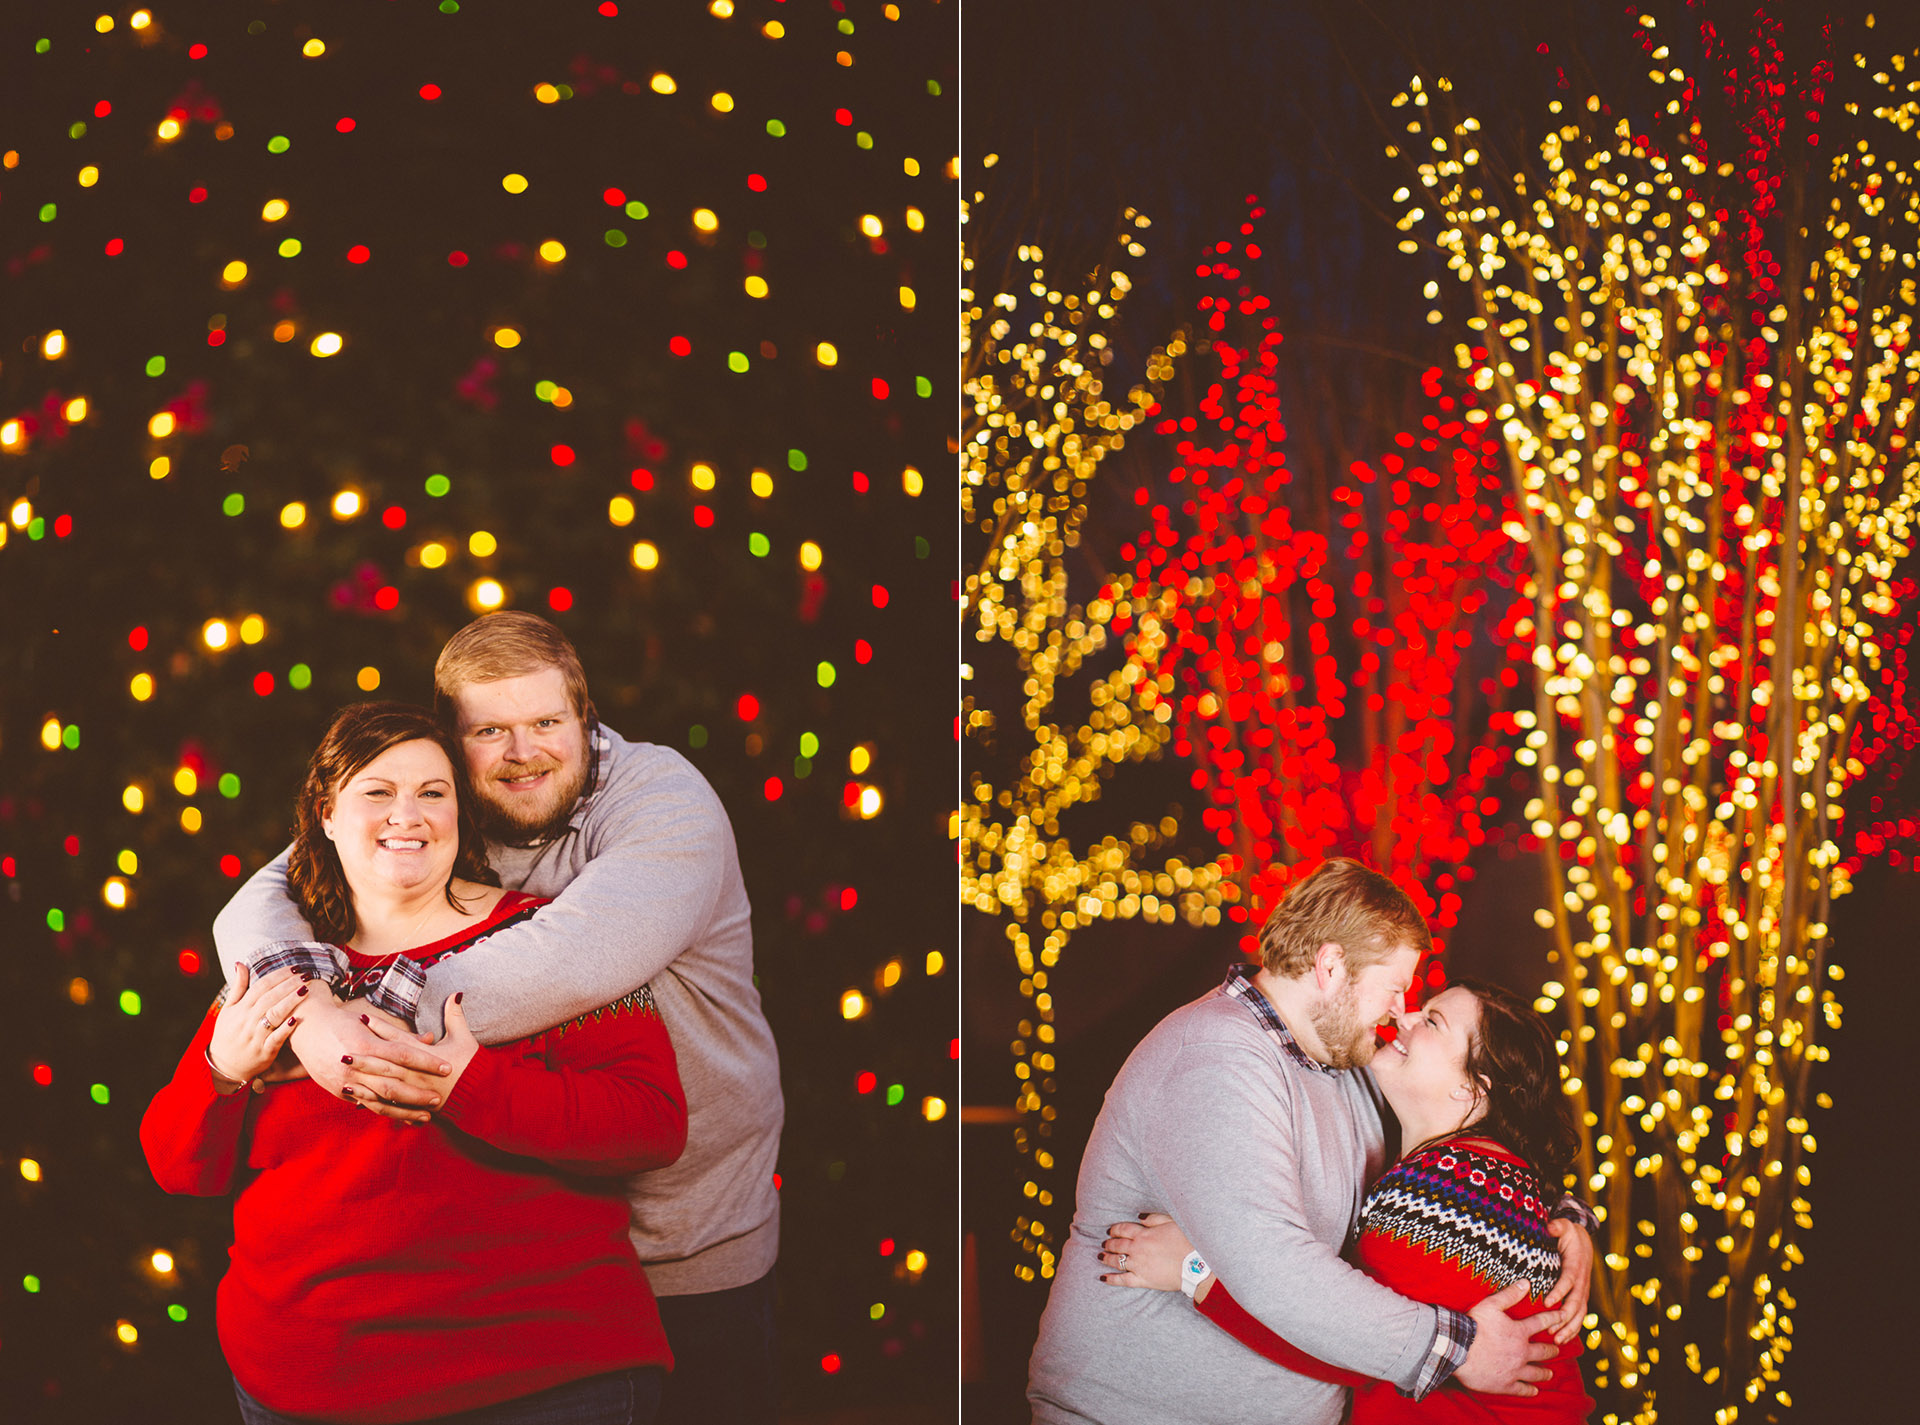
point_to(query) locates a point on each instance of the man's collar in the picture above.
(1240, 985)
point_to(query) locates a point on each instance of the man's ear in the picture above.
(1329, 967)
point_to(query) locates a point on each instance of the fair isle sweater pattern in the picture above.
(1485, 1213)
(638, 1001)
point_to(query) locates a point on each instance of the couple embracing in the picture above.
(524, 1164)
(1279, 1219)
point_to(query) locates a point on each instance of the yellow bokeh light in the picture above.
(646, 555)
(128, 862)
(722, 103)
(620, 510)
(293, 514)
(160, 468)
(367, 679)
(860, 759)
(936, 962)
(916, 220)
(911, 481)
(514, 182)
(21, 514)
(89, 176)
(50, 734)
(911, 167)
(253, 628)
(103, 24)
(169, 130)
(314, 48)
(432, 556)
(134, 798)
(481, 543)
(10, 433)
(30, 1170)
(346, 504)
(53, 345)
(706, 219)
(162, 1260)
(890, 975)
(853, 1004)
(215, 633)
(186, 781)
(871, 225)
(141, 687)
(546, 93)
(326, 344)
(773, 29)
(933, 1110)
(114, 893)
(722, 8)
(809, 556)
(662, 83)
(126, 1330)
(702, 476)
(190, 820)
(917, 1259)
(285, 331)
(827, 354)
(161, 426)
(869, 803)
(907, 299)
(140, 19)
(761, 483)
(552, 251)
(274, 210)
(506, 338)
(75, 410)
(756, 286)
(487, 594)
(234, 273)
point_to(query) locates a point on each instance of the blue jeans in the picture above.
(723, 1361)
(628, 1397)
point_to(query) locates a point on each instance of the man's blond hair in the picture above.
(1346, 904)
(508, 644)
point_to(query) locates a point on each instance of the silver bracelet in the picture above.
(221, 1083)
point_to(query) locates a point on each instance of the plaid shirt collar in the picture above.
(1239, 985)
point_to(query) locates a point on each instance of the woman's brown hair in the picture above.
(359, 733)
(1516, 1061)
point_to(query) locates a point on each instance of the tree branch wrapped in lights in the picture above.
(1699, 356)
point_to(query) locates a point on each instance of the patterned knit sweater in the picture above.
(1449, 1223)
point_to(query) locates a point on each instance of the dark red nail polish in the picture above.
(368, 1022)
(294, 1023)
(459, 996)
(346, 1058)
(347, 1094)
(302, 990)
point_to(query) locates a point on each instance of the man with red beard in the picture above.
(637, 853)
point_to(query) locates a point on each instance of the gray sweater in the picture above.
(648, 891)
(1263, 1164)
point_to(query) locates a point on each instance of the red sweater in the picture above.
(1449, 1223)
(385, 1272)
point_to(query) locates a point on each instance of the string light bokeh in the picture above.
(1706, 409)
(326, 330)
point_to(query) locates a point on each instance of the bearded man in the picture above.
(1250, 1117)
(637, 853)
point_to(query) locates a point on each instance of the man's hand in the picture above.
(1569, 1294)
(1502, 1360)
(391, 1072)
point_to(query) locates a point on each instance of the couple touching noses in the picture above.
(1260, 1136)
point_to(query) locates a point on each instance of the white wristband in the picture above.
(1193, 1271)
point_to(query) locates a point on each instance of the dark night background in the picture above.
(781, 642)
(1182, 112)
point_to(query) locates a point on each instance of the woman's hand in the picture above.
(255, 1022)
(1145, 1253)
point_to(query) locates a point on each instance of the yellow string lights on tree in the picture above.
(1038, 426)
(1704, 378)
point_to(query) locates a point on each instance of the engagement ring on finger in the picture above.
(1121, 1260)
(267, 1022)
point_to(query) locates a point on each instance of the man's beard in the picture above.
(1347, 1043)
(518, 825)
